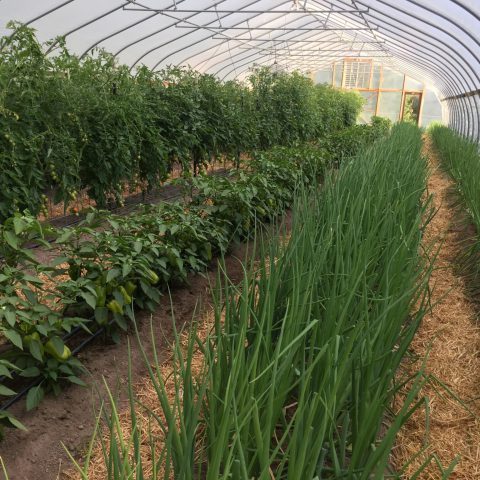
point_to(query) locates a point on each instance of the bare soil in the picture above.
(69, 419)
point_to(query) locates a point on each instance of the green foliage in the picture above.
(109, 264)
(310, 161)
(461, 158)
(32, 311)
(301, 366)
(21, 153)
(412, 108)
(70, 124)
(350, 141)
(291, 110)
(336, 109)
(89, 124)
(284, 107)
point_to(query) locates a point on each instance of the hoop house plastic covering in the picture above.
(436, 42)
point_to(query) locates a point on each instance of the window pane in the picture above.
(324, 76)
(338, 74)
(357, 74)
(369, 107)
(389, 105)
(376, 76)
(392, 79)
(411, 84)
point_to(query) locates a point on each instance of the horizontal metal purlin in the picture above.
(318, 50)
(225, 41)
(247, 39)
(286, 55)
(225, 38)
(261, 12)
(272, 29)
(184, 47)
(462, 95)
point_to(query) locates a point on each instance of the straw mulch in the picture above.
(450, 335)
(145, 393)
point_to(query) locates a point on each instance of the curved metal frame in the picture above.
(163, 59)
(266, 41)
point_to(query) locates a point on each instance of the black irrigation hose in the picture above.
(71, 334)
(13, 400)
(90, 339)
(70, 220)
(131, 202)
(10, 402)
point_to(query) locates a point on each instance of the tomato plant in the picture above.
(69, 124)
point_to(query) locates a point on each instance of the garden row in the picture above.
(98, 275)
(299, 371)
(70, 124)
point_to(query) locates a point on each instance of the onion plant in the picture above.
(300, 366)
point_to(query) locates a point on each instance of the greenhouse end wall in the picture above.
(384, 90)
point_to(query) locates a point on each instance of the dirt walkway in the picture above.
(453, 334)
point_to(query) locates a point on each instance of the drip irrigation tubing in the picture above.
(133, 201)
(17, 397)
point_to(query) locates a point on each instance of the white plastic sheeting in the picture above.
(436, 41)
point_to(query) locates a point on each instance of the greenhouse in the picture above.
(239, 239)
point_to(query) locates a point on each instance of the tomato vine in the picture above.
(69, 124)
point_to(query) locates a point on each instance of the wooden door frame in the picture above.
(420, 106)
